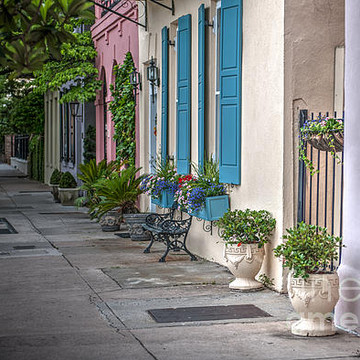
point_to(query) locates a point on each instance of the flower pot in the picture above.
(166, 199)
(327, 142)
(314, 300)
(214, 208)
(244, 262)
(134, 222)
(55, 192)
(110, 221)
(68, 196)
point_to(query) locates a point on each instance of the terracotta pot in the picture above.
(314, 300)
(244, 262)
(111, 221)
(68, 196)
(134, 222)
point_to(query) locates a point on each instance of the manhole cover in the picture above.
(6, 227)
(24, 247)
(207, 313)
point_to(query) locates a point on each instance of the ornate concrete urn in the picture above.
(55, 192)
(244, 262)
(314, 300)
(110, 221)
(68, 196)
(134, 222)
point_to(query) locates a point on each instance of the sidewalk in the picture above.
(70, 291)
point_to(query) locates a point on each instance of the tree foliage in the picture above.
(31, 31)
(123, 111)
(75, 67)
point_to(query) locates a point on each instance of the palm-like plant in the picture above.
(119, 191)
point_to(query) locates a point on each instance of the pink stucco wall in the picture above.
(113, 37)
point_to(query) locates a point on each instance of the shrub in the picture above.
(247, 227)
(67, 181)
(308, 249)
(55, 177)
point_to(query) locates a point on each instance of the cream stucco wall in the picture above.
(262, 185)
(52, 134)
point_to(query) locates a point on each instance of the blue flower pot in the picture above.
(215, 207)
(166, 199)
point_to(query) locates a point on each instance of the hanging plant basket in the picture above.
(332, 142)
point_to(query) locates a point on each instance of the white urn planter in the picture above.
(244, 262)
(111, 221)
(55, 192)
(67, 196)
(314, 299)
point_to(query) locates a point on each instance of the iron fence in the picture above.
(21, 146)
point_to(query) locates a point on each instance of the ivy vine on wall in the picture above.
(123, 111)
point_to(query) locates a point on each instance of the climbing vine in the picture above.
(123, 111)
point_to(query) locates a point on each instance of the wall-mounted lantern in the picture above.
(135, 81)
(74, 108)
(153, 75)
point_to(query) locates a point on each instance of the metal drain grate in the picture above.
(23, 247)
(207, 313)
(6, 227)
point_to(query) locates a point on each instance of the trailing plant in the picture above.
(165, 178)
(55, 177)
(308, 249)
(266, 281)
(67, 181)
(123, 111)
(324, 130)
(118, 192)
(247, 227)
(194, 189)
(90, 144)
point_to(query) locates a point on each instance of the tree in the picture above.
(31, 31)
(75, 67)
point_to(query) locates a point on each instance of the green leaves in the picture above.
(308, 249)
(123, 111)
(247, 226)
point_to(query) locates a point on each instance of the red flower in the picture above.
(239, 244)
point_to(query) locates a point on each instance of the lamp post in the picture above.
(153, 76)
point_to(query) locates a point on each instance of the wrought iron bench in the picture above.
(173, 233)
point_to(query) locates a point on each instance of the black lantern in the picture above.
(74, 108)
(135, 79)
(153, 73)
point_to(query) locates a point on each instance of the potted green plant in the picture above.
(162, 185)
(201, 195)
(119, 194)
(68, 190)
(313, 285)
(323, 133)
(245, 233)
(54, 183)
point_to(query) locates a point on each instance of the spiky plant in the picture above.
(119, 191)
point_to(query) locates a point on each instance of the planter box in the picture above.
(68, 196)
(166, 199)
(215, 207)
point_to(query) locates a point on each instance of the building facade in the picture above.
(113, 37)
(234, 77)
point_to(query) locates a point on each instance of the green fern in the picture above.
(119, 191)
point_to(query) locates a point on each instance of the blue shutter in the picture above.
(183, 134)
(164, 92)
(201, 86)
(230, 91)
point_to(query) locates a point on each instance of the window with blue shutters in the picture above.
(230, 55)
(164, 92)
(201, 86)
(183, 111)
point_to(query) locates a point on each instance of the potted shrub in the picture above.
(162, 185)
(323, 133)
(68, 190)
(313, 285)
(54, 183)
(201, 195)
(119, 194)
(245, 232)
